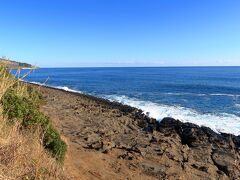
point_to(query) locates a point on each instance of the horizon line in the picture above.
(139, 66)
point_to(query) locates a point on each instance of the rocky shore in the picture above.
(108, 140)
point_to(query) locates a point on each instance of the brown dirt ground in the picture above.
(104, 142)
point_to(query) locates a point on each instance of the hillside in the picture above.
(14, 64)
(30, 146)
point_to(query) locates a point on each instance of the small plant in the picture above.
(26, 110)
(52, 141)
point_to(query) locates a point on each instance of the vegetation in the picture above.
(26, 134)
(4, 61)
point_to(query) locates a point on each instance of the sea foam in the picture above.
(227, 123)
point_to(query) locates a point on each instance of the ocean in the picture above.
(207, 96)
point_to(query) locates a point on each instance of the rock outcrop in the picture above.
(124, 143)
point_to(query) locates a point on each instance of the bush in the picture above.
(52, 141)
(26, 110)
(14, 106)
(34, 95)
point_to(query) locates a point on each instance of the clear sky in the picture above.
(54, 33)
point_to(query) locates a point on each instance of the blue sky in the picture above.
(54, 33)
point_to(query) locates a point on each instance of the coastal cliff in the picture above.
(11, 64)
(109, 140)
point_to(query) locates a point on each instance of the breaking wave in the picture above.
(227, 123)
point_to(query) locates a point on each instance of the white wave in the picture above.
(65, 88)
(226, 123)
(237, 105)
(37, 83)
(197, 94)
(230, 95)
(183, 94)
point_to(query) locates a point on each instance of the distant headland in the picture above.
(12, 64)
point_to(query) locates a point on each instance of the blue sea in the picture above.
(207, 96)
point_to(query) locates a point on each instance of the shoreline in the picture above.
(122, 106)
(110, 140)
(113, 104)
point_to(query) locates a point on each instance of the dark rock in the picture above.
(107, 146)
(224, 161)
(201, 168)
(153, 169)
(126, 156)
(95, 145)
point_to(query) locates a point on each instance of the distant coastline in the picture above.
(11, 64)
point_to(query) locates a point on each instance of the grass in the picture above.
(30, 146)
(26, 111)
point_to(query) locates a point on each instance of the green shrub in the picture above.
(27, 111)
(34, 95)
(14, 106)
(52, 141)
(30, 93)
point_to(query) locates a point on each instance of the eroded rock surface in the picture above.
(109, 140)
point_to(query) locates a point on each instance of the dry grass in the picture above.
(22, 155)
(5, 81)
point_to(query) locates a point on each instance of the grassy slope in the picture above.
(30, 147)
